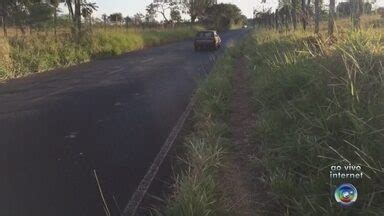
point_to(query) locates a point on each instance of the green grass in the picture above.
(195, 190)
(319, 104)
(41, 52)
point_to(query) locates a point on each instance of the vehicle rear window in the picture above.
(205, 34)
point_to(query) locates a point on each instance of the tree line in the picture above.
(207, 12)
(39, 14)
(291, 12)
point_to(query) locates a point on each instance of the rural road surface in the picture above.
(110, 115)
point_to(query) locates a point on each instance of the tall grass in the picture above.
(41, 52)
(5, 61)
(319, 103)
(196, 186)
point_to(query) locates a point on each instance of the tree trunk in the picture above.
(3, 21)
(193, 18)
(77, 20)
(55, 23)
(331, 19)
(353, 14)
(293, 12)
(70, 9)
(277, 19)
(304, 14)
(287, 18)
(356, 11)
(317, 16)
(164, 17)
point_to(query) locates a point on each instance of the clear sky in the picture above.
(131, 7)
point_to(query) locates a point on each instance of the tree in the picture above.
(222, 16)
(38, 14)
(138, 19)
(150, 16)
(104, 17)
(162, 8)
(293, 12)
(4, 5)
(356, 11)
(381, 11)
(18, 11)
(127, 20)
(196, 8)
(344, 8)
(55, 5)
(76, 8)
(367, 8)
(176, 16)
(264, 17)
(331, 18)
(304, 14)
(116, 18)
(317, 16)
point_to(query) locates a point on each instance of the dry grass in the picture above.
(43, 51)
(196, 186)
(319, 103)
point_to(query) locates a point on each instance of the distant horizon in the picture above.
(132, 8)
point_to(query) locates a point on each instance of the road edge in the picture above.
(138, 196)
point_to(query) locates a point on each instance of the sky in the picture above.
(131, 7)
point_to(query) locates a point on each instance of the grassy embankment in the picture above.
(318, 103)
(195, 186)
(20, 56)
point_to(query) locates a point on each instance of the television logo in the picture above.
(346, 195)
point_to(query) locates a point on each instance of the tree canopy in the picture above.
(222, 16)
(116, 18)
(196, 8)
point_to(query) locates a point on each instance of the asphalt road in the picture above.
(110, 115)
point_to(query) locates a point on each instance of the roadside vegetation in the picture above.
(205, 148)
(36, 37)
(36, 53)
(318, 104)
(318, 101)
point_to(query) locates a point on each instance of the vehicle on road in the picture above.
(209, 40)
